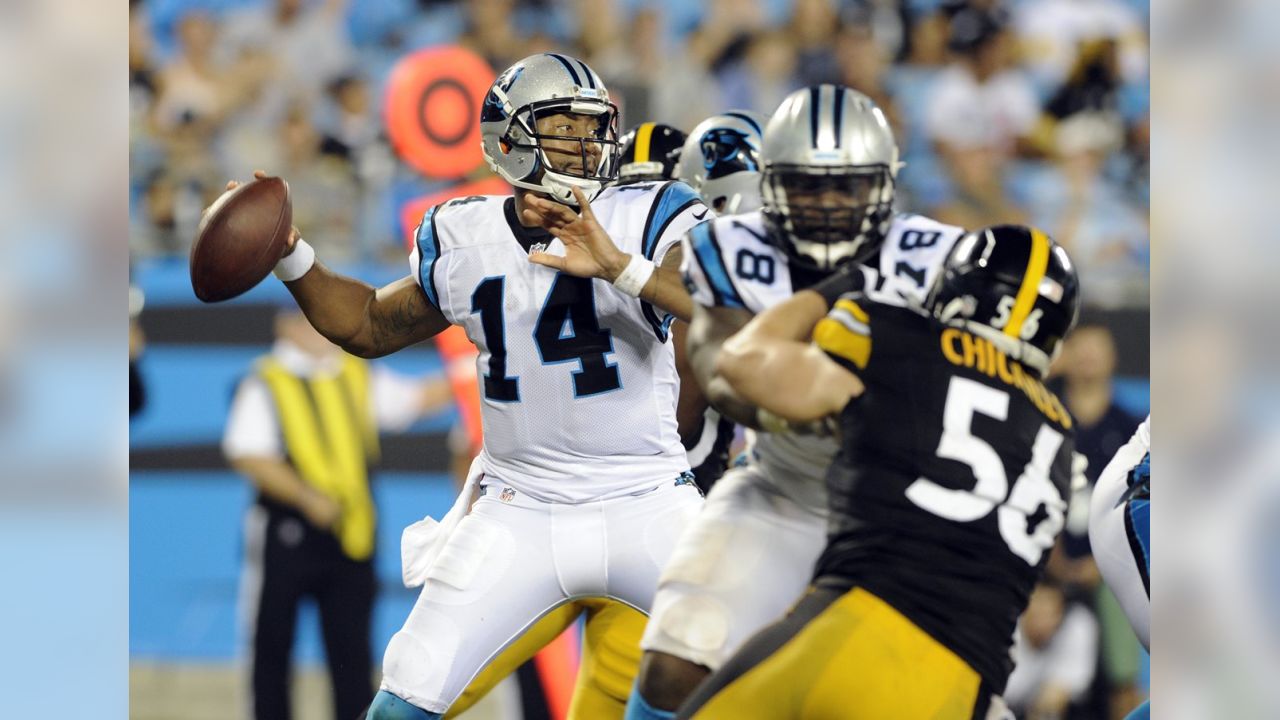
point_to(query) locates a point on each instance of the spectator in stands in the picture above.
(491, 33)
(305, 44)
(353, 126)
(812, 32)
(703, 76)
(1054, 651)
(303, 429)
(863, 62)
(981, 111)
(762, 76)
(1087, 375)
(1092, 215)
(1053, 33)
(325, 192)
(192, 86)
(1083, 378)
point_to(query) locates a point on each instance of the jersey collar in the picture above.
(526, 236)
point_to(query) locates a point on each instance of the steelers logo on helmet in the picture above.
(650, 152)
(547, 125)
(830, 164)
(1013, 285)
(721, 160)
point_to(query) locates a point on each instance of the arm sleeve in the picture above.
(707, 276)
(252, 428)
(845, 333)
(676, 209)
(425, 256)
(849, 279)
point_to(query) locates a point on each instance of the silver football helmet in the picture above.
(537, 87)
(829, 167)
(721, 160)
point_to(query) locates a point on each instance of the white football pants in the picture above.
(513, 559)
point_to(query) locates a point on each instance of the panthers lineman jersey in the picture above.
(949, 489)
(729, 262)
(578, 380)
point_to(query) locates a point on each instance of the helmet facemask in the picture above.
(828, 216)
(565, 159)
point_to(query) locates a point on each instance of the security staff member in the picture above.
(303, 428)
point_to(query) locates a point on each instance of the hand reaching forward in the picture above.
(588, 249)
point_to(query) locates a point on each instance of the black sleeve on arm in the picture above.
(850, 278)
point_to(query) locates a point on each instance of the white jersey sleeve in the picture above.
(577, 380)
(663, 212)
(912, 254)
(729, 263)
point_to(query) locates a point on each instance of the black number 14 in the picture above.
(567, 330)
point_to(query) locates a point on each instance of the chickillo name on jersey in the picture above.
(967, 350)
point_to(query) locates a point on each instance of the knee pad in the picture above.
(418, 657)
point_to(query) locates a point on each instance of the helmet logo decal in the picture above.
(726, 151)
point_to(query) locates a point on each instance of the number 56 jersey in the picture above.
(577, 380)
(951, 483)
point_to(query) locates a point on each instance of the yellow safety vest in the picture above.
(331, 439)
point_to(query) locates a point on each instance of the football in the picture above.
(240, 239)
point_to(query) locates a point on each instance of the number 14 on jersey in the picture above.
(567, 330)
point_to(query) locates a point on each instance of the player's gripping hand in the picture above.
(259, 174)
(588, 249)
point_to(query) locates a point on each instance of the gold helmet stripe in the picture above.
(643, 134)
(1036, 267)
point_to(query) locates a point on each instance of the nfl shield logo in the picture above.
(507, 494)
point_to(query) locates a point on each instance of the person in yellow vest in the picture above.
(303, 428)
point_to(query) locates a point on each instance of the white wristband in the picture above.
(632, 279)
(297, 263)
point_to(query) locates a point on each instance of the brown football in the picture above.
(240, 239)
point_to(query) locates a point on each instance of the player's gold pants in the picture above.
(842, 655)
(610, 658)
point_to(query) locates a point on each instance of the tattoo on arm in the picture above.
(403, 318)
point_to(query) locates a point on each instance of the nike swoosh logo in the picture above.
(701, 215)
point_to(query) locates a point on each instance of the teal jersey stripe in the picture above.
(673, 198)
(428, 254)
(707, 253)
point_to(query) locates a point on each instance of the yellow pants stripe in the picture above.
(858, 658)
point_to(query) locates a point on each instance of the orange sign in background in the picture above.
(432, 110)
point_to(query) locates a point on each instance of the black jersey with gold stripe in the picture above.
(951, 480)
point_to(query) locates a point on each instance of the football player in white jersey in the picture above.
(829, 163)
(721, 160)
(1120, 533)
(583, 481)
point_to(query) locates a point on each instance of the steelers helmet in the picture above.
(535, 87)
(650, 151)
(830, 163)
(721, 160)
(1013, 285)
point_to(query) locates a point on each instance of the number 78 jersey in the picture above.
(730, 263)
(577, 380)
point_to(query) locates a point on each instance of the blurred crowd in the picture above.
(1006, 110)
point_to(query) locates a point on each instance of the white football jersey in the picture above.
(729, 262)
(578, 381)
